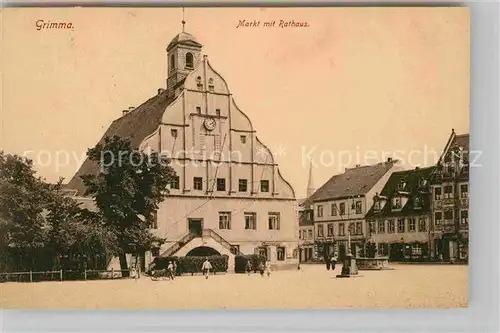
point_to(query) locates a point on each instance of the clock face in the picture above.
(209, 124)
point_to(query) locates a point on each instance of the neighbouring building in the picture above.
(340, 206)
(399, 221)
(306, 223)
(450, 201)
(228, 196)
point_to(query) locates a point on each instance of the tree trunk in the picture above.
(123, 265)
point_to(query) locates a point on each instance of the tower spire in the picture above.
(183, 21)
(310, 183)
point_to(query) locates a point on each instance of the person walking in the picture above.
(333, 261)
(248, 267)
(268, 268)
(170, 269)
(207, 266)
(175, 269)
(327, 262)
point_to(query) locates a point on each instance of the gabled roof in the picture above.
(185, 39)
(461, 140)
(412, 179)
(134, 126)
(353, 182)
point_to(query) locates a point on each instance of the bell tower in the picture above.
(184, 55)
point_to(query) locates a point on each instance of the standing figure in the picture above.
(261, 268)
(333, 261)
(327, 262)
(206, 268)
(268, 268)
(175, 268)
(248, 268)
(170, 270)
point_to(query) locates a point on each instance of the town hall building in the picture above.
(228, 195)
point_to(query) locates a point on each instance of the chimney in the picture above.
(389, 159)
(124, 112)
(160, 91)
(358, 165)
(417, 168)
(205, 57)
(130, 108)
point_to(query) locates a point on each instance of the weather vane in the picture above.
(183, 21)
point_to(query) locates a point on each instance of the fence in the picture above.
(61, 275)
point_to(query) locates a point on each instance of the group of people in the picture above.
(262, 267)
(331, 261)
(171, 270)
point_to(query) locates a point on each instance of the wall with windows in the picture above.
(411, 229)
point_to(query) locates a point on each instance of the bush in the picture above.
(193, 264)
(240, 262)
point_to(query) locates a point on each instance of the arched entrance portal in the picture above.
(202, 251)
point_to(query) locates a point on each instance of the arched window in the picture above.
(172, 62)
(189, 60)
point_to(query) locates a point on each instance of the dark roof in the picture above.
(462, 140)
(412, 179)
(353, 182)
(185, 39)
(134, 126)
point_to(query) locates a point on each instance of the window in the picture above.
(199, 86)
(381, 227)
(401, 226)
(342, 208)
(390, 226)
(250, 221)
(341, 229)
(274, 221)
(417, 202)
(358, 207)
(448, 192)
(211, 88)
(464, 216)
(198, 109)
(221, 184)
(217, 112)
(334, 210)
(264, 185)
(359, 228)
(280, 253)
(396, 203)
(320, 230)
(448, 217)
(412, 225)
(224, 220)
(330, 230)
(464, 191)
(198, 183)
(422, 226)
(372, 227)
(173, 132)
(437, 193)
(155, 252)
(263, 252)
(352, 229)
(438, 217)
(376, 205)
(174, 183)
(172, 62)
(242, 185)
(381, 249)
(320, 210)
(189, 60)
(243, 139)
(310, 233)
(416, 250)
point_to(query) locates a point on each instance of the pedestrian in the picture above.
(333, 261)
(268, 268)
(248, 267)
(207, 266)
(261, 268)
(133, 273)
(175, 268)
(327, 262)
(170, 270)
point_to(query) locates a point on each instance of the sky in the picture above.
(355, 86)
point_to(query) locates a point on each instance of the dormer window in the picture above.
(376, 205)
(396, 203)
(189, 60)
(417, 202)
(423, 182)
(401, 185)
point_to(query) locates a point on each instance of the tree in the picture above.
(127, 190)
(23, 199)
